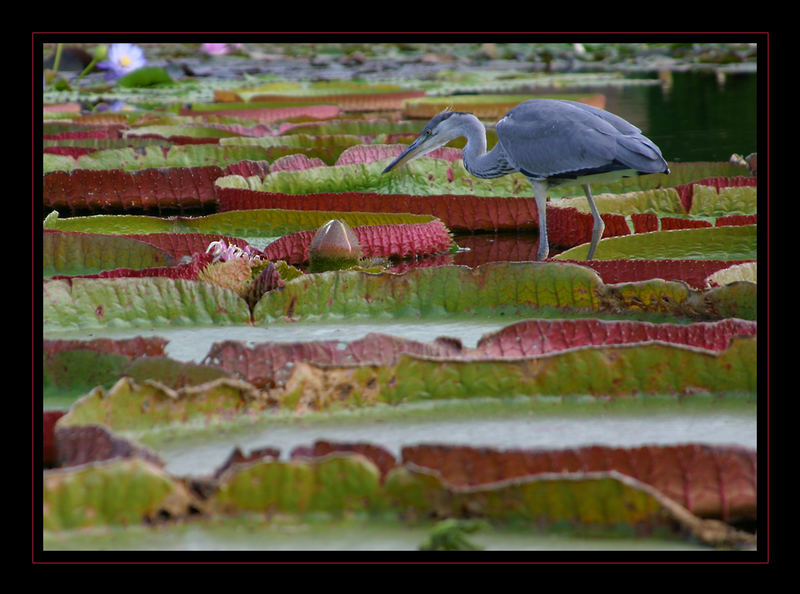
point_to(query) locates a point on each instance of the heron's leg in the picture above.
(598, 227)
(540, 194)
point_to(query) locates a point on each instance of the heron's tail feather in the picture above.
(637, 152)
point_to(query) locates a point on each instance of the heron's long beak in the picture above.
(414, 150)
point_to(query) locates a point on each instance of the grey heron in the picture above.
(552, 142)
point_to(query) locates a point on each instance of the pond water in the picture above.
(697, 117)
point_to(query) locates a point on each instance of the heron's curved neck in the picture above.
(476, 160)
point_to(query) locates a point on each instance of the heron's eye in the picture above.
(427, 131)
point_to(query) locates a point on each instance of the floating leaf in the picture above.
(490, 106)
(120, 491)
(253, 223)
(335, 484)
(76, 367)
(267, 365)
(270, 364)
(179, 245)
(747, 271)
(130, 405)
(385, 241)
(446, 190)
(93, 443)
(710, 481)
(535, 337)
(694, 273)
(497, 288)
(267, 115)
(84, 253)
(153, 157)
(137, 302)
(710, 201)
(365, 153)
(145, 76)
(717, 243)
(615, 371)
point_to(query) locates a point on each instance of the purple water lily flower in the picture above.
(222, 251)
(122, 59)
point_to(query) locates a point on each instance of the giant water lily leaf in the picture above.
(73, 365)
(254, 223)
(698, 274)
(713, 202)
(129, 405)
(689, 475)
(154, 157)
(499, 288)
(335, 484)
(130, 491)
(659, 368)
(189, 130)
(270, 364)
(366, 153)
(710, 481)
(348, 94)
(77, 371)
(717, 197)
(269, 115)
(489, 106)
(534, 337)
(116, 190)
(446, 190)
(604, 499)
(386, 241)
(179, 245)
(138, 302)
(83, 253)
(360, 128)
(70, 364)
(746, 271)
(326, 148)
(114, 492)
(92, 443)
(717, 243)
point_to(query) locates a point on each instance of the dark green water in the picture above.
(698, 117)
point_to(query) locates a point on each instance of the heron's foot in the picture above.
(542, 254)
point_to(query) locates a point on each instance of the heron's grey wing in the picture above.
(634, 150)
(623, 126)
(546, 138)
